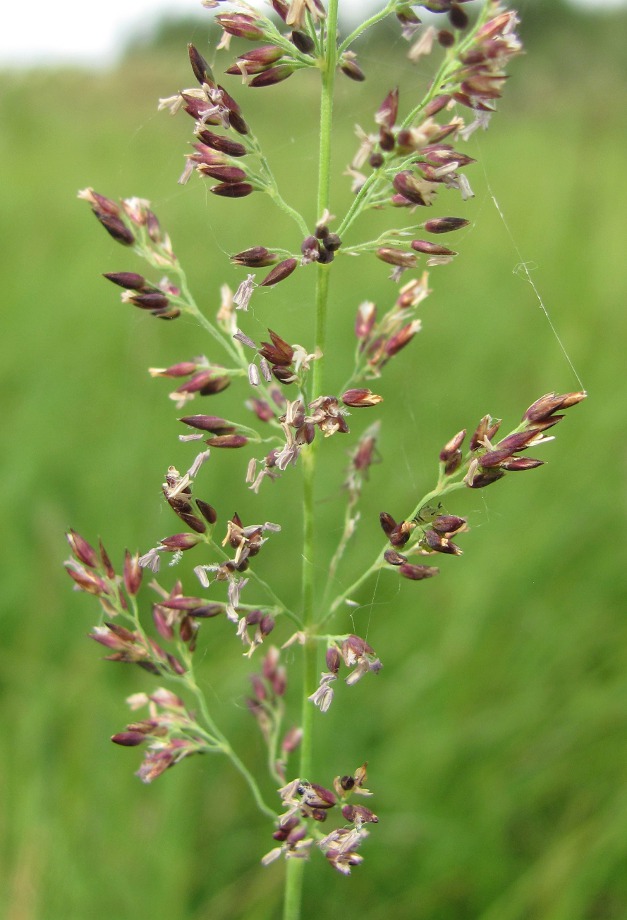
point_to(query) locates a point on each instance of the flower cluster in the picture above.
(305, 800)
(202, 379)
(410, 158)
(359, 657)
(170, 733)
(379, 340)
(299, 429)
(399, 168)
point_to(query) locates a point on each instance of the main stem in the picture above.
(295, 867)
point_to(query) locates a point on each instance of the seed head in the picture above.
(228, 441)
(333, 659)
(115, 227)
(547, 405)
(445, 224)
(302, 41)
(83, 551)
(394, 558)
(212, 423)
(281, 271)
(485, 430)
(411, 188)
(257, 257)
(132, 573)
(129, 280)
(273, 75)
(202, 70)
(417, 572)
(350, 68)
(397, 257)
(240, 25)
(179, 542)
(232, 190)
(519, 464)
(432, 249)
(358, 398)
(222, 144)
(278, 352)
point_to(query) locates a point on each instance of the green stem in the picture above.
(296, 620)
(250, 781)
(188, 679)
(191, 307)
(273, 192)
(293, 889)
(295, 867)
(366, 25)
(270, 183)
(358, 203)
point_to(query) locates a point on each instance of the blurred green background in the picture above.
(497, 732)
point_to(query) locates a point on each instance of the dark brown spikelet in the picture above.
(233, 190)
(302, 41)
(485, 478)
(281, 8)
(273, 75)
(387, 523)
(208, 511)
(83, 550)
(547, 405)
(257, 60)
(417, 572)
(202, 70)
(409, 187)
(256, 257)
(212, 423)
(236, 120)
(487, 428)
(451, 454)
(205, 383)
(397, 257)
(431, 249)
(116, 228)
(351, 69)
(281, 271)
(222, 144)
(445, 224)
(214, 385)
(519, 464)
(228, 440)
(222, 173)
(279, 352)
(457, 17)
(133, 573)
(394, 558)
(131, 281)
(360, 398)
(241, 25)
(152, 300)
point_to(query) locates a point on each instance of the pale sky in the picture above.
(43, 32)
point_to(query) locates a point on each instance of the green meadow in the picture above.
(496, 734)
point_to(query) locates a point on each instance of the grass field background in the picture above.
(497, 732)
